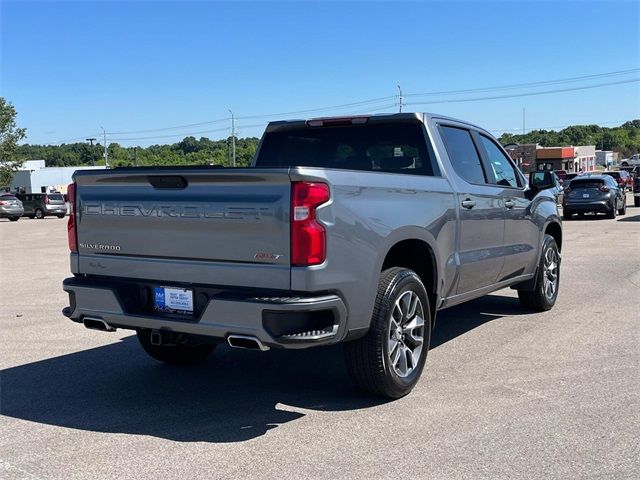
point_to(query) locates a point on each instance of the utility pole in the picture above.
(106, 153)
(135, 156)
(91, 140)
(400, 98)
(233, 139)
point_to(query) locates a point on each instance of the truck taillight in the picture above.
(308, 239)
(71, 224)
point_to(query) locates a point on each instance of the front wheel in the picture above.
(60, 216)
(389, 359)
(14, 219)
(545, 292)
(39, 214)
(614, 210)
(179, 351)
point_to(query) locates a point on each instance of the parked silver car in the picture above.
(10, 207)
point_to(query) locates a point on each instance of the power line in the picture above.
(374, 105)
(561, 127)
(529, 94)
(190, 125)
(168, 136)
(322, 109)
(530, 84)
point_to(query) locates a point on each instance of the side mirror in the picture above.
(541, 180)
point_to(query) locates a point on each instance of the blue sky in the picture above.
(71, 67)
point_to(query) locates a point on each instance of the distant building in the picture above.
(585, 158)
(572, 159)
(604, 158)
(555, 158)
(524, 155)
(35, 177)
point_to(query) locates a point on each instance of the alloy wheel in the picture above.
(406, 334)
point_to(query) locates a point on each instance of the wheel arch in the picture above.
(555, 230)
(417, 254)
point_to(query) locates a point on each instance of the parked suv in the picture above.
(10, 207)
(40, 205)
(594, 193)
(622, 177)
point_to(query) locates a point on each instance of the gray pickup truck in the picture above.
(354, 230)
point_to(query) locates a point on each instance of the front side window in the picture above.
(503, 171)
(463, 154)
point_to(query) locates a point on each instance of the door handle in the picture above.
(509, 204)
(468, 203)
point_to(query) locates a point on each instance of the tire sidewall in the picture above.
(548, 243)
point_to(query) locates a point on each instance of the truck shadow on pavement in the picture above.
(235, 396)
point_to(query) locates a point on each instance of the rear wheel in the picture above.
(60, 216)
(39, 214)
(179, 351)
(623, 210)
(545, 292)
(388, 360)
(614, 210)
(566, 214)
(636, 201)
(14, 219)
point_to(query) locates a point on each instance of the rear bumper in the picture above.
(285, 322)
(599, 206)
(55, 209)
(14, 212)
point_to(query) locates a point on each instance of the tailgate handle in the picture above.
(168, 181)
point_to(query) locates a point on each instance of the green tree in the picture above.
(10, 135)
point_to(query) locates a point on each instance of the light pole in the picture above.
(106, 153)
(233, 139)
(91, 140)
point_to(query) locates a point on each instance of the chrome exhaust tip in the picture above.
(94, 323)
(247, 342)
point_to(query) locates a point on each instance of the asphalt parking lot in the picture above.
(506, 393)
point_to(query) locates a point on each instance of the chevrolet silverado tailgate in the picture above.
(205, 225)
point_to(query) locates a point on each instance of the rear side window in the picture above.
(392, 147)
(503, 171)
(463, 154)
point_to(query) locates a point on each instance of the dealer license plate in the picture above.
(173, 300)
(585, 195)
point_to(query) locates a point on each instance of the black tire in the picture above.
(614, 210)
(39, 214)
(623, 210)
(369, 362)
(567, 215)
(539, 298)
(14, 219)
(60, 216)
(183, 353)
(636, 201)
